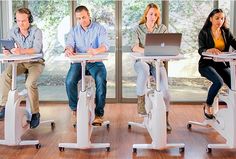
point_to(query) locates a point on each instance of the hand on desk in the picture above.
(5, 52)
(214, 51)
(69, 52)
(17, 51)
(92, 51)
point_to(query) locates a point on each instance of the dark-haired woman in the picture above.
(215, 37)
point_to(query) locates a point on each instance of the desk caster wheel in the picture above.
(181, 149)
(134, 150)
(61, 149)
(129, 126)
(74, 125)
(52, 125)
(38, 146)
(208, 150)
(108, 126)
(189, 126)
(108, 149)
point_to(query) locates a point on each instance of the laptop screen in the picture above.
(162, 44)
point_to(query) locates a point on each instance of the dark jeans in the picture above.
(218, 76)
(99, 73)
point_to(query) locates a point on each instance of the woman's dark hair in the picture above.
(208, 23)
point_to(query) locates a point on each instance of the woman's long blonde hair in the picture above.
(144, 19)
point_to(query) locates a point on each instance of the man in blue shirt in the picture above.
(28, 39)
(87, 37)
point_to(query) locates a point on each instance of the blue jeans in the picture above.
(99, 74)
(218, 76)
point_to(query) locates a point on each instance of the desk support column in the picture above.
(157, 64)
(83, 64)
(14, 76)
(232, 72)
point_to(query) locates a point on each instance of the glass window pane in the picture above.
(16, 5)
(105, 15)
(188, 19)
(225, 5)
(53, 17)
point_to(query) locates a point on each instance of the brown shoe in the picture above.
(73, 118)
(141, 105)
(97, 121)
(168, 127)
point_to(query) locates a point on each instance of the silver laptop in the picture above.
(162, 44)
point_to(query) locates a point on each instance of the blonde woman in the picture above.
(149, 23)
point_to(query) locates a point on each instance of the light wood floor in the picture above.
(118, 135)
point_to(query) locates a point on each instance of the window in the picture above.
(16, 5)
(188, 19)
(225, 5)
(53, 17)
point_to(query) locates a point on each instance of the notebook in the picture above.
(162, 44)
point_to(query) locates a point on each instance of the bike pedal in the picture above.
(218, 122)
(97, 124)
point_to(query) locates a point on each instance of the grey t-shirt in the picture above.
(140, 32)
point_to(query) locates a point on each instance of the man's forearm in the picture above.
(101, 49)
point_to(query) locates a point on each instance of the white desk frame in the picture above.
(85, 110)
(14, 114)
(225, 122)
(155, 121)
